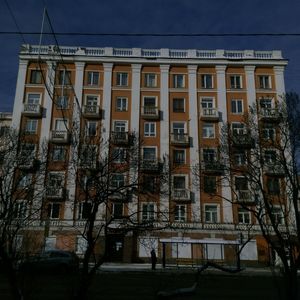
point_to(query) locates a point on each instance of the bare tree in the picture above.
(22, 162)
(259, 167)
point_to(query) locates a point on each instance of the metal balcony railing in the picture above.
(180, 139)
(32, 109)
(91, 111)
(209, 114)
(150, 112)
(59, 136)
(181, 194)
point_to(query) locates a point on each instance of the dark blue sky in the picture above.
(152, 16)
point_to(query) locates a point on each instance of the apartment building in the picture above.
(176, 102)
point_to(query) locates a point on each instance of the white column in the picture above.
(222, 106)
(279, 81)
(164, 126)
(250, 82)
(72, 169)
(135, 97)
(106, 101)
(193, 132)
(19, 96)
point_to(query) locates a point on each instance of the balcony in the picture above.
(243, 140)
(274, 169)
(150, 112)
(150, 165)
(212, 167)
(54, 192)
(121, 138)
(245, 197)
(181, 195)
(60, 136)
(269, 115)
(182, 139)
(92, 111)
(32, 110)
(209, 114)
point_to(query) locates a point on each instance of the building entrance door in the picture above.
(115, 248)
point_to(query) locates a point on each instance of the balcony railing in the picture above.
(150, 165)
(180, 139)
(243, 140)
(274, 169)
(244, 196)
(209, 114)
(60, 136)
(150, 112)
(269, 114)
(120, 138)
(55, 192)
(213, 166)
(91, 111)
(181, 195)
(34, 110)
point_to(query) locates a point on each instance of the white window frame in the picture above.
(206, 133)
(266, 130)
(278, 213)
(39, 96)
(113, 209)
(31, 126)
(237, 106)
(119, 183)
(20, 209)
(209, 152)
(25, 181)
(180, 217)
(36, 79)
(90, 78)
(209, 216)
(62, 102)
(240, 130)
(148, 214)
(238, 158)
(120, 101)
(207, 100)
(64, 77)
(269, 100)
(62, 152)
(62, 121)
(237, 81)
(50, 215)
(184, 127)
(88, 128)
(151, 130)
(122, 78)
(186, 181)
(125, 122)
(180, 162)
(204, 84)
(149, 147)
(243, 215)
(150, 97)
(57, 174)
(120, 156)
(173, 108)
(177, 83)
(95, 100)
(150, 82)
(264, 82)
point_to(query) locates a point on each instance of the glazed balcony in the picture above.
(32, 110)
(182, 139)
(209, 114)
(269, 115)
(181, 195)
(92, 111)
(150, 112)
(60, 136)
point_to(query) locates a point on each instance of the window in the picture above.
(239, 158)
(178, 80)
(119, 155)
(207, 103)
(237, 106)
(180, 213)
(53, 210)
(61, 125)
(150, 184)
(209, 155)
(25, 180)
(91, 128)
(117, 180)
(84, 210)
(270, 157)
(243, 216)
(241, 184)
(273, 185)
(149, 153)
(179, 156)
(31, 126)
(148, 212)
(238, 128)
(59, 153)
(56, 180)
(91, 100)
(33, 99)
(149, 129)
(62, 102)
(27, 153)
(120, 126)
(264, 82)
(206, 81)
(121, 104)
(88, 156)
(211, 213)
(64, 77)
(178, 105)
(268, 132)
(150, 102)
(277, 215)
(117, 210)
(266, 103)
(20, 209)
(178, 128)
(36, 76)
(235, 82)
(92, 78)
(122, 79)
(179, 182)
(210, 184)
(81, 245)
(208, 130)
(150, 80)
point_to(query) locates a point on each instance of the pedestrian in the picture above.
(153, 259)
